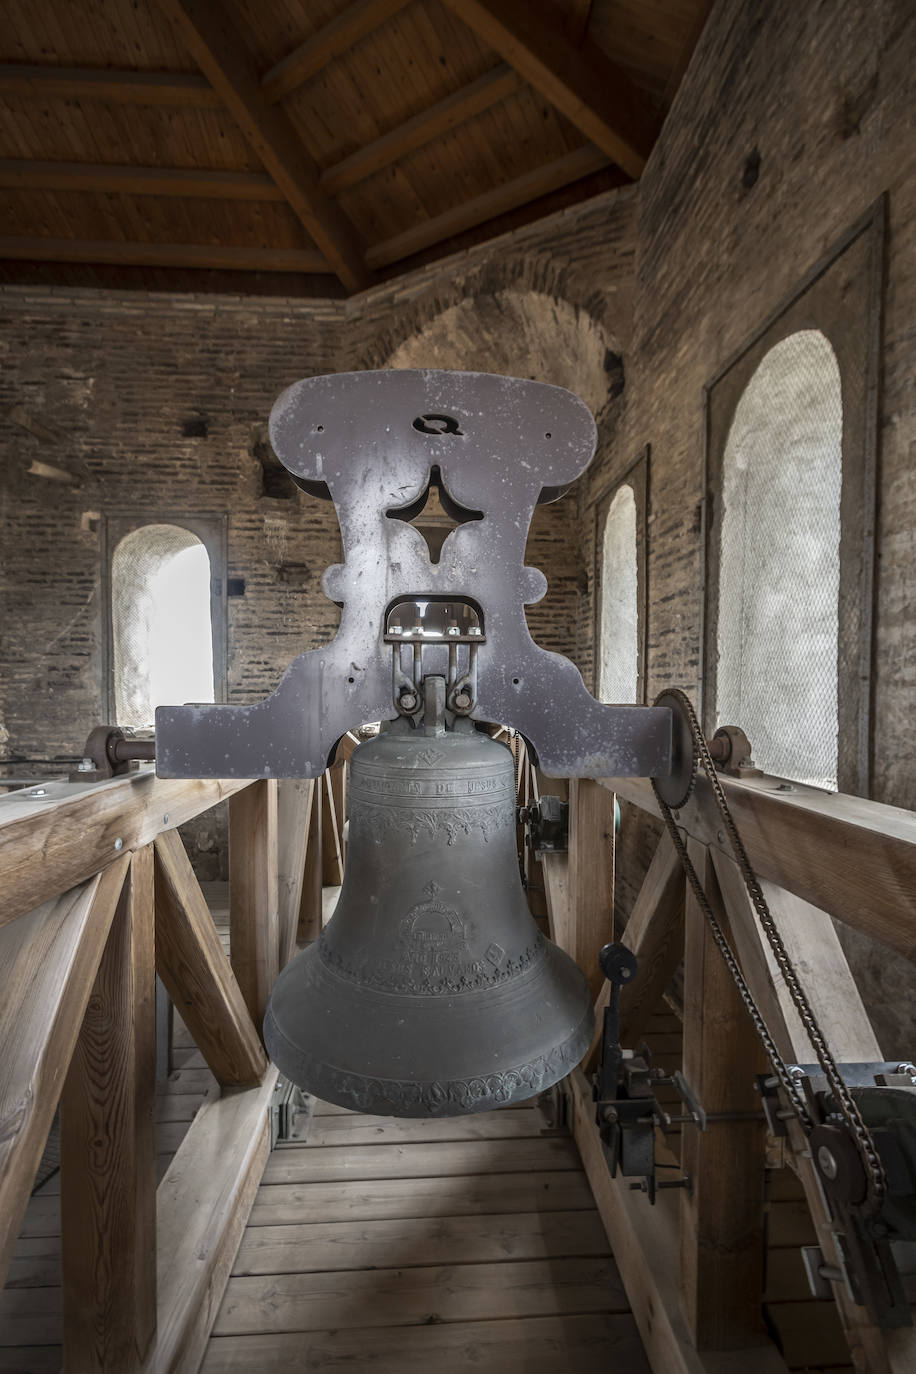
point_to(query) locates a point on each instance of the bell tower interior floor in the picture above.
(401, 1245)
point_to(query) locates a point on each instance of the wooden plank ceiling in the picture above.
(313, 146)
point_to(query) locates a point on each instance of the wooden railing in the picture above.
(693, 1264)
(97, 894)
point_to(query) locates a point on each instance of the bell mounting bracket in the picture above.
(373, 443)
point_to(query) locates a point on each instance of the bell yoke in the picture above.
(431, 992)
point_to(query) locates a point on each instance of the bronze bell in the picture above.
(431, 992)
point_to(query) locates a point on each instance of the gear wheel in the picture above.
(675, 789)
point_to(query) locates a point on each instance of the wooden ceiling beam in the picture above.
(448, 114)
(581, 82)
(219, 50)
(509, 196)
(329, 42)
(111, 86)
(115, 252)
(25, 174)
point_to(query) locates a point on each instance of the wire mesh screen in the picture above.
(619, 636)
(161, 630)
(779, 568)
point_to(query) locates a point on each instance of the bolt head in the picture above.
(38, 792)
(85, 766)
(826, 1162)
(395, 629)
(475, 631)
(408, 701)
(119, 843)
(453, 630)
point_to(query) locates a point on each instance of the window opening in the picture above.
(779, 562)
(618, 678)
(161, 622)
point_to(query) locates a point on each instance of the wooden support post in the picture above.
(310, 907)
(591, 875)
(254, 946)
(193, 965)
(294, 815)
(48, 962)
(722, 1235)
(108, 1149)
(655, 934)
(332, 793)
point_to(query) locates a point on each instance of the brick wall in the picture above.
(106, 387)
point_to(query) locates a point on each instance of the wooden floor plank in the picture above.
(536, 1345)
(377, 1130)
(456, 1195)
(314, 1164)
(311, 1247)
(415, 1297)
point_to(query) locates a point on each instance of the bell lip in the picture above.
(374, 1095)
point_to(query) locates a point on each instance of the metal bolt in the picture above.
(165, 819)
(38, 792)
(462, 701)
(785, 787)
(796, 1071)
(85, 766)
(394, 629)
(119, 843)
(453, 630)
(907, 1068)
(720, 836)
(408, 701)
(475, 631)
(826, 1162)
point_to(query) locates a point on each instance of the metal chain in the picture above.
(874, 1169)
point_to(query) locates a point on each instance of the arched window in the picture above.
(618, 639)
(779, 561)
(161, 622)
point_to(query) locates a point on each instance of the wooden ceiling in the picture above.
(313, 145)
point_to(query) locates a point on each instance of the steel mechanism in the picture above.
(376, 443)
(859, 1120)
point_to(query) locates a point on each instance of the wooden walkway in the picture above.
(400, 1246)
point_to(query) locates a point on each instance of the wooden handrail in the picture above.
(848, 856)
(50, 843)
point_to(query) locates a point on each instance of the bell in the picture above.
(431, 992)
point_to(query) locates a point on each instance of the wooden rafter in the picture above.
(120, 253)
(341, 33)
(220, 51)
(582, 82)
(30, 174)
(509, 196)
(110, 85)
(456, 109)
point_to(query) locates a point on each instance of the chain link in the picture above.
(874, 1169)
